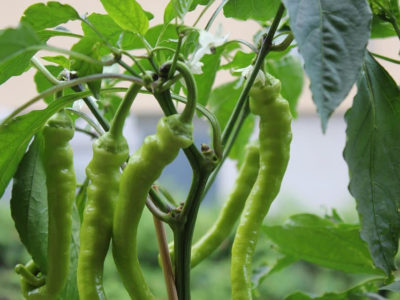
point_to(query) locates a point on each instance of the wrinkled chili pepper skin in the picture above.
(274, 137)
(61, 185)
(104, 174)
(232, 208)
(143, 168)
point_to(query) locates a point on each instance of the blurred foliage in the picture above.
(210, 280)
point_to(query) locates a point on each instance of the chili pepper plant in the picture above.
(68, 227)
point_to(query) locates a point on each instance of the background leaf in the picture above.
(320, 241)
(128, 14)
(372, 155)
(205, 80)
(289, 71)
(41, 16)
(15, 51)
(222, 101)
(332, 37)
(93, 48)
(260, 10)
(29, 203)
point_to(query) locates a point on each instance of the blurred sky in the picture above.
(317, 175)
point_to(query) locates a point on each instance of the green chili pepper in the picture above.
(231, 210)
(274, 137)
(144, 167)
(61, 185)
(109, 152)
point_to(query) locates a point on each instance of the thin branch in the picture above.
(165, 259)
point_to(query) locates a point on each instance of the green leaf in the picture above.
(93, 48)
(59, 60)
(240, 60)
(362, 291)
(128, 14)
(16, 135)
(332, 37)
(371, 153)
(176, 8)
(260, 10)
(29, 203)
(381, 29)
(322, 242)
(222, 102)
(393, 287)
(163, 34)
(105, 25)
(41, 16)
(205, 80)
(264, 271)
(16, 50)
(289, 71)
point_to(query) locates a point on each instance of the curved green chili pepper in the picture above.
(61, 185)
(274, 137)
(109, 152)
(144, 167)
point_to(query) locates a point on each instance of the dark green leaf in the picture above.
(222, 101)
(393, 287)
(290, 72)
(93, 48)
(128, 14)
(41, 16)
(29, 203)
(322, 242)
(260, 10)
(332, 37)
(371, 153)
(15, 137)
(16, 50)
(205, 80)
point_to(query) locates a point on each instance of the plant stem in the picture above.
(165, 259)
(215, 14)
(87, 119)
(202, 13)
(41, 68)
(245, 112)
(176, 55)
(118, 121)
(265, 49)
(88, 132)
(69, 84)
(90, 103)
(395, 26)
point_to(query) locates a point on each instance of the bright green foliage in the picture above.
(128, 14)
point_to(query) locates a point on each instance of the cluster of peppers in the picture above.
(115, 199)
